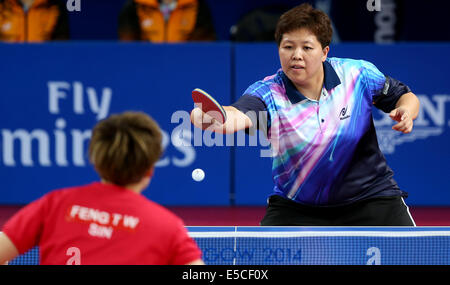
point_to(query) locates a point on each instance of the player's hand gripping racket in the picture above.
(209, 105)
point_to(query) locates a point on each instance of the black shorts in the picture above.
(380, 211)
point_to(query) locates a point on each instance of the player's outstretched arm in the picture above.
(7, 249)
(196, 262)
(236, 121)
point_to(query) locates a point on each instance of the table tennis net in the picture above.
(314, 246)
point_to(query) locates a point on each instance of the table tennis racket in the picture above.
(209, 105)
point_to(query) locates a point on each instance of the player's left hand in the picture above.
(402, 116)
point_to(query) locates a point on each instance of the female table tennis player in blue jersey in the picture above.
(327, 166)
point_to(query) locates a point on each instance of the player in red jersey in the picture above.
(106, 222)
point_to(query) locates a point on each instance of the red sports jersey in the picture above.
(101, 224)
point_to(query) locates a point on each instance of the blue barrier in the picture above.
(52, 94)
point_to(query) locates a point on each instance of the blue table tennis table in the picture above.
(314, 246)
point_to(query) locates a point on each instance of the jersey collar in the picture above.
(331, 80)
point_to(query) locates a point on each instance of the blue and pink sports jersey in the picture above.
(326, 152)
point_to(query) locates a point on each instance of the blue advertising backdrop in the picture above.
(52, 94)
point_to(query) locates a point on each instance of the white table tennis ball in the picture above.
(198, 174)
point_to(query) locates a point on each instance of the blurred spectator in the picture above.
(33, 20)
(166, 21)
(259, 24)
